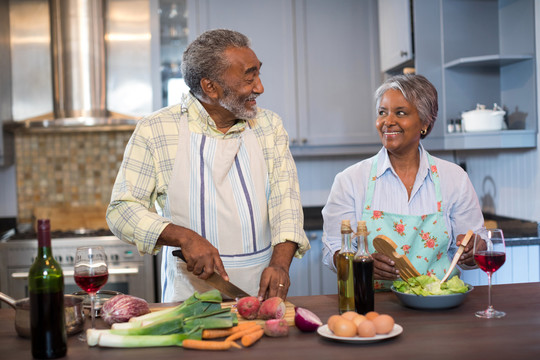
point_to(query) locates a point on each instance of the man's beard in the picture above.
(237, 104)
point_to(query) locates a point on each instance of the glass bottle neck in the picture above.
(362, 245)
(346, 242)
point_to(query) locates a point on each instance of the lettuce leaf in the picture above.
(426, 285)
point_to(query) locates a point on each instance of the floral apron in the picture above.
(219, 189)
(424, 239)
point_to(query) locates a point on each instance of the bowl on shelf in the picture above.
(432, 302)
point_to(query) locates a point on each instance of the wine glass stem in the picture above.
(92, 307)
(490, 307)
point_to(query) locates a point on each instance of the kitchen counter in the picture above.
(441, 334)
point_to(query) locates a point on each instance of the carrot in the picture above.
(218, 333)
(239, 334)
(208, 345)
(252, 338)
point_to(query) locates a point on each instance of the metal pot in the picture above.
(73, 314)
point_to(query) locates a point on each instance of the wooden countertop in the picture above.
(442, 334)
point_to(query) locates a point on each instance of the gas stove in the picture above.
(129, 272)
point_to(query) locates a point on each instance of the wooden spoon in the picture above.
(458, 254)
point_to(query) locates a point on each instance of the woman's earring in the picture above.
(423, 131)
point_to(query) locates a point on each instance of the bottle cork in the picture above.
(346, 227)
(362, 228)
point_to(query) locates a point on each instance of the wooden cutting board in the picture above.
(289, 312)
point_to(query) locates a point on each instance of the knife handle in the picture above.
(179, 254)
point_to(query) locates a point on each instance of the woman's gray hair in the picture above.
(203, 58)
(418, 91)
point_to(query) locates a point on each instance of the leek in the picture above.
(162, 327)
(105, 338)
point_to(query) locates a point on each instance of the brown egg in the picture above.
(332, 320)
(372, 315)
(383, 324)
(344, 328)
(366, 329)
(358, 319)
(349, 315)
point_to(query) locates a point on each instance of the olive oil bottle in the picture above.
(344, 264)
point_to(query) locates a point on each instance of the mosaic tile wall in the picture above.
(57, 169)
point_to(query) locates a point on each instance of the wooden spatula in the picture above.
(386, 246)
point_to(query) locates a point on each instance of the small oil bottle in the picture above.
(344, 266)
(364, 296)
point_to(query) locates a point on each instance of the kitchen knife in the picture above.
(459, 251)
(216, 281)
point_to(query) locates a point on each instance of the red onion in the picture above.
(305, 320)
(121, 308)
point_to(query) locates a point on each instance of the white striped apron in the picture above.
(219, 189)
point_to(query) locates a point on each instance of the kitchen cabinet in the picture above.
(309, 276)
(486, 62)
(320, 65)
(395, 35)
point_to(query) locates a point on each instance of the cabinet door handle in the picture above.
(403, 53)
(304, 140)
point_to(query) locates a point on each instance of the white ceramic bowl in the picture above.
(432, 301)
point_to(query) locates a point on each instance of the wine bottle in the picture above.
(345, 269)
(364, 296)
(46, 288)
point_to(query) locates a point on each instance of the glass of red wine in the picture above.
(489, 254)
(90, 273)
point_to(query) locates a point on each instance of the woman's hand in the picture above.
(384, 267)
(467, 257)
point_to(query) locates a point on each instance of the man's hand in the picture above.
(275, 279)
(202, 258)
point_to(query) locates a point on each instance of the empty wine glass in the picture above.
(90, 273)
(489, 254)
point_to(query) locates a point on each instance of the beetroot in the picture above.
(121, 308)
(248, 307)
(276, 327)
(272, 308)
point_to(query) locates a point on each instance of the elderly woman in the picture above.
(424, 204)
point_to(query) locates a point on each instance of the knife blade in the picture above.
(216, 281)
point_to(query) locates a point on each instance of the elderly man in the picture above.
(219, 171)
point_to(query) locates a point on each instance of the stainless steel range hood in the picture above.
(79, 79)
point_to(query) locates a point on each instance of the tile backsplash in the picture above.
(66, 169)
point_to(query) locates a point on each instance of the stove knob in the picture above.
(59, 258)
(114, 257)
(70, 259)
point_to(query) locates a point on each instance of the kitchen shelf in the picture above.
(506, 139)
(488, 60)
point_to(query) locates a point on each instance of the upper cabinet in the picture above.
(395, 34)
(479, 52)
(320, 65)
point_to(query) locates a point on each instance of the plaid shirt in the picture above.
(144, 175)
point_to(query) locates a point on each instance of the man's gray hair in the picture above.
(203, 58)
(418, 91)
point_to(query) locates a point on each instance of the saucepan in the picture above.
(73, 314)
